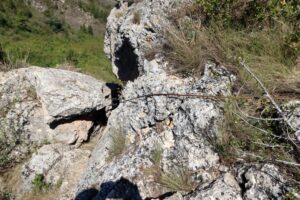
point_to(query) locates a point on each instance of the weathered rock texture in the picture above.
(167, 137)
(132, 29)
(182, 127)
(262, 182)
(159, 143)
(40, 106)
(60, 165)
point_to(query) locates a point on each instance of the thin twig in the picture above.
(268, 145)
(268, 95)
(271, 161)
(260, 129)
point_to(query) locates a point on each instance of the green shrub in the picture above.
(56, 24)
(28, 37)
(87, 30)
(39, 184)
(178, 179)
(95, 9)
(243, 13)
(118, 144)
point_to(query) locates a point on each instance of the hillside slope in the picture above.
(50, 33)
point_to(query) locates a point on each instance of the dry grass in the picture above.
(255, 140)
(118, 144)
(136, 17)
(189, 51)
(178, 179)
(190, 46)
(49, 195)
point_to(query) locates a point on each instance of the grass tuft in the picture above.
(118, 144)
(39, 184)
(179, 179)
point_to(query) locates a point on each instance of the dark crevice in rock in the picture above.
(161, 197)
(242, 184)
(129, 3)
(127, 62)
(98, 117)
(115, 94)
(150, 29)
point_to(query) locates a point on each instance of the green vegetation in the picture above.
(136, 18)
(118, 144)
(91, 7)
(179, 179)
(156, 155)
(264, 34)
(270, 47)
(46, 40)
(39, 183)
(4, 195)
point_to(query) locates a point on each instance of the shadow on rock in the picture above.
(121, 189)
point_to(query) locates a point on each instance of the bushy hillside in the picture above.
(243, 35)
(50, 33)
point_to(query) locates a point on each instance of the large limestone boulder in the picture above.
(159, 144)
(39, 106)
(60, 166)
(225, 187)
(134, 28)
(180, 130)
(262, 182)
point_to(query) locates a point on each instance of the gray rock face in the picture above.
(60, 165)
(225, 187)
(182, 127)
(262, 182)
(134, 28)
(64, 94)
(40, 105)
(292, 110)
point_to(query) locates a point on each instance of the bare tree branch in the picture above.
(268, 95)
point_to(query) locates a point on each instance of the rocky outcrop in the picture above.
(183, 128)
(51, 109)
(262, 182)
(132, 29)
(60, 165)
(159, 142)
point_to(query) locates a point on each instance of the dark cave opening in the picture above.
(127, 62)
(98, 117)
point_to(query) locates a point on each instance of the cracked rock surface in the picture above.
(158, 143)
(52, 109)
(179, 130)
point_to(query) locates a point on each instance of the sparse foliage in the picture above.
(136, 17)
(265, 35)
(118, 144)
(178, 179)
(39, 183)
